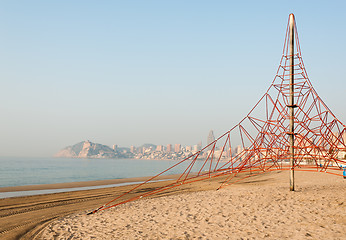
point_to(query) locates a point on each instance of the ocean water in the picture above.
(29, 171)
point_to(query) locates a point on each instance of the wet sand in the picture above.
(31, 190)
(78, 184)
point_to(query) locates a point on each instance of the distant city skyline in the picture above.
(129, 73)
(88, 149)
(176, 147)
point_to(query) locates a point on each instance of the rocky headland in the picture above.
(87, 149)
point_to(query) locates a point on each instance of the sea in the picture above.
(19, 171)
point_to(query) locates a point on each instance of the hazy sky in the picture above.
(134, 72)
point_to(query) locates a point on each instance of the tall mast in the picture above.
(292, 105)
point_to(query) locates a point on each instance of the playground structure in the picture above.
(289, 128)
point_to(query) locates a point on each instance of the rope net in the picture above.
(259, 143)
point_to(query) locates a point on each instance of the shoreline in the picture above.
(42, 189)
(54, 174)
(81, 184)
(27, 193)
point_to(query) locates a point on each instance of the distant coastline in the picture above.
(87, 149)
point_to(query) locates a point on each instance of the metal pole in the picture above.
(291, 61)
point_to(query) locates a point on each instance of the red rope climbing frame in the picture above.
(260, 142)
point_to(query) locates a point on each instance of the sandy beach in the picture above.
(24, 217)
(257, 208)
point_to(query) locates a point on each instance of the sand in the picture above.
(261, 207)
(24, 217)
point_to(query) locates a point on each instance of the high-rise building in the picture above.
(169, 147)
(115, 147)
(210, 139)
(177, 147)
(188, 148)
(132, 149)
(159, 148)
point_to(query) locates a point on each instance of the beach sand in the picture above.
(23, 217)
(259, 207)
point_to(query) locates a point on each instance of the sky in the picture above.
(134, 72)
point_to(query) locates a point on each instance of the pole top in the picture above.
(291, 18)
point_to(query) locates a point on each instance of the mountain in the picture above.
(88, 149)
